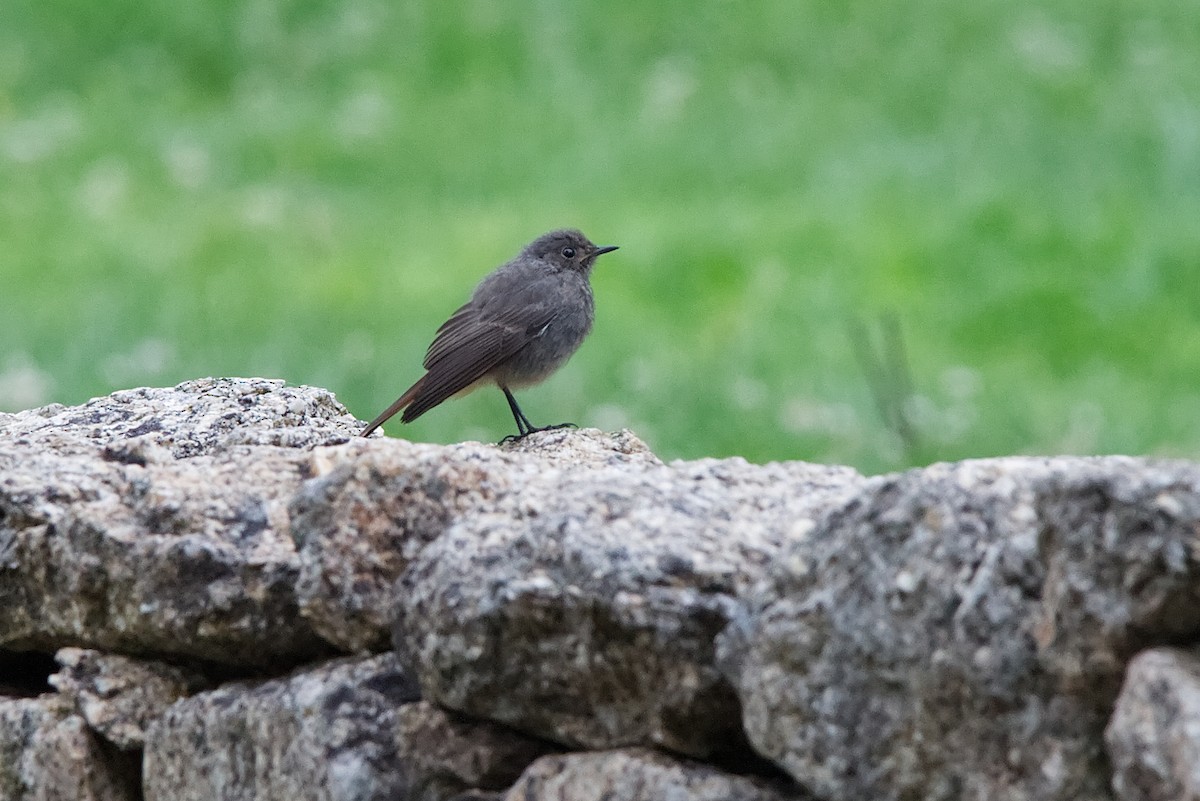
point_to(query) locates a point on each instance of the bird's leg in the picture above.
(524, 427)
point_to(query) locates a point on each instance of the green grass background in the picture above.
(305, 189)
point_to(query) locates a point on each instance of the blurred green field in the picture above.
(306, 189)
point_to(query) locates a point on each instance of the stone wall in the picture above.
(217, 591)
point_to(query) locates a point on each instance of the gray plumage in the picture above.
(523, 321)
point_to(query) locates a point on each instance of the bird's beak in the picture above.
(605, 249)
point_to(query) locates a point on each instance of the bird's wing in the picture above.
(453, 333)
(470, 344)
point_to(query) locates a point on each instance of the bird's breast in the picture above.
(546, 350)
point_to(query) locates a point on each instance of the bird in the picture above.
(523, 321)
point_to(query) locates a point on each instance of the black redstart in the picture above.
(523, 321)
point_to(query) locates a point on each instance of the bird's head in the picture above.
(567, 249)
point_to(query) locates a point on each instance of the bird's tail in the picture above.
(400, 403)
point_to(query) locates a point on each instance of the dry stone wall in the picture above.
(217, 590)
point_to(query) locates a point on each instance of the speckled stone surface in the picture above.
(118, 696)
(582, 605)
(154, 521)
(1014, 629)
(443, 755)
(1154, 735)
(637, 774)
(960, 632)
(376, 503)
(326, 732)
(48, 753)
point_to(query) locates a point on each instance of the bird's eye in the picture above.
(568, 253)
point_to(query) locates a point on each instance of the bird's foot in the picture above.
(522, 435)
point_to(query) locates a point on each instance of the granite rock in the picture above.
(444, 755)
(374, 504)
(326, 732)
(583, 606)
(960, 631)
(637, 774)
(118, 696)
(1154, 734)
(955, 632)
(154, 521)
(47, 753)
